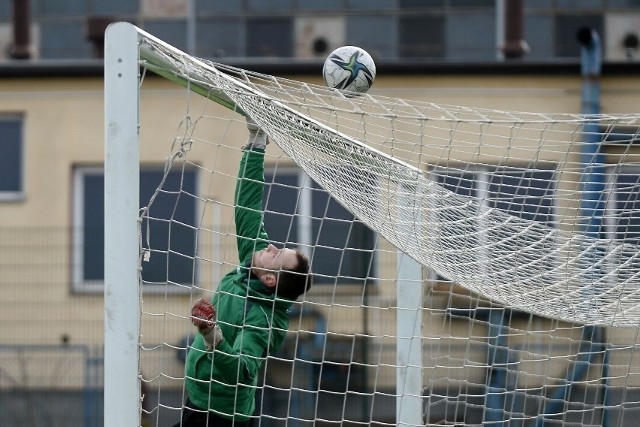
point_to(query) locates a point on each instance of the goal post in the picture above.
(455, 281)
(125, 54)
(121, 251)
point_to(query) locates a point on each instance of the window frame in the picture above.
(79, 283)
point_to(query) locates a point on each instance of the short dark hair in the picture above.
(295, 282)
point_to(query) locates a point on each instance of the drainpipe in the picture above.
(594, 187)
(592, 213)
(21, 48)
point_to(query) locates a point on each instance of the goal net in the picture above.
(471, 267)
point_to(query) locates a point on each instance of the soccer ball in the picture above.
(349, 69)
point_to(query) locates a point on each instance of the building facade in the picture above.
(51, 128)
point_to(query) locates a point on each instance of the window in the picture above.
(524, 193)
(623, 221)
(168, 230)
(627, 205)
(461, 184)
(298, 212)
(527, 194)
(621, 135)
(11, 164)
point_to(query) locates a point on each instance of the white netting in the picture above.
(553, 268)
(493, 201)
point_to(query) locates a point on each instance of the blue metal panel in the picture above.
(324, 5)
(220, 37)
(538, 33)
(114, 7)
(371, 4)
(219, 7)
(270, 5)
(64, 39)
(471, 36)
(374, 33)
(270, 37)
(49, 8)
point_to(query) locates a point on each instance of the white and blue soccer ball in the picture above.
(349, 69)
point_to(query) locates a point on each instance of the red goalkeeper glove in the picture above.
(203, 317)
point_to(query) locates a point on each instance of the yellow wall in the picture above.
(64, 129)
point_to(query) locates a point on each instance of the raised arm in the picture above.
(249, 215)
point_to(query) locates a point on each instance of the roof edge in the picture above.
(283, 67)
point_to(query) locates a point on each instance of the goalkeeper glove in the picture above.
(203, 317)
(257, 137)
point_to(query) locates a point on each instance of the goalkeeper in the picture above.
(246, 319)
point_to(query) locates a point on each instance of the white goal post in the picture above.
(122, 302)
(121, 260)
(505, 305)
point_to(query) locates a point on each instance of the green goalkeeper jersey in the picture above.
(254, 323)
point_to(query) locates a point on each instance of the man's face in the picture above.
(274, 259)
